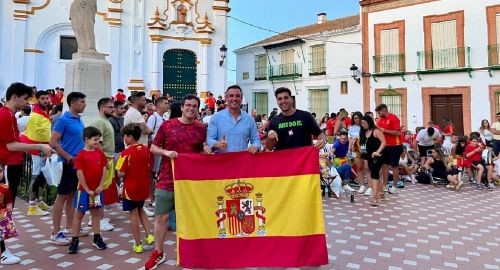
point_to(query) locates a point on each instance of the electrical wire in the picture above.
(288, 35)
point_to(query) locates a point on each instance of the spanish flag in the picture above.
(238, 210)
(38, 128)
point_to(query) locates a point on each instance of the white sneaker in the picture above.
(148, 213)
(393, 190)
(106, 226)
(385, 189)
(361, 189)
(59, 239)
(368, 192)
(348, 188)
(9, 258)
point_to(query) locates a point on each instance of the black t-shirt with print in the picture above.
(295, 130)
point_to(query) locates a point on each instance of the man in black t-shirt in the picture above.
(292, 128)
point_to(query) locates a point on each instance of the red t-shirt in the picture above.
(476, 158)
(181, 138)
(120, 96)
(91, 163)
(391, 122)
(59, 98)
(134, 162)
(448, 130)
(211, 102)
(330, 124)
(9, 133)
(347, 121)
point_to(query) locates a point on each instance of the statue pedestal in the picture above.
(89, 73)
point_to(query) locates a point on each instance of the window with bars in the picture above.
(317, 60)
(394, 102)
(390, 57)
(318, 101)
(260, 102)
(445, 53)
(260, 67)
(497, 102)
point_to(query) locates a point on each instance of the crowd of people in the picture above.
(134, 138)
(131, 140)
(368, 151)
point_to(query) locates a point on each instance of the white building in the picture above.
(312, 61)
(440, 57)
(167, 46)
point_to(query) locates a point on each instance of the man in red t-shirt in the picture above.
(179, 135)
(211, 102)
(120, 96)
(11, 148)
(390, 125)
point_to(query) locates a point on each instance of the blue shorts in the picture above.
(129, 205)
(83, 202)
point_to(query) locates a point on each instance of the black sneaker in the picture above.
(98, 242)
(73, 246)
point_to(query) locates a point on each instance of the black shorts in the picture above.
(129, 205)
(69, 180)
(391, 155)
(422, 150)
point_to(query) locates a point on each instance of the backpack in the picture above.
(423, 178)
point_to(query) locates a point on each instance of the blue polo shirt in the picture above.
(71, 129)
(239, 133)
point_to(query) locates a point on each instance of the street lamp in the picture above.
(356, 74)
(223, 51)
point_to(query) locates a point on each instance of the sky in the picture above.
(280, 16)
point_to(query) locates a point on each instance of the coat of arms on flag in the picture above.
(241, 211)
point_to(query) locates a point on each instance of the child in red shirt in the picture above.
(473, 156)
(90, 166)
(6, 207)
(134, 167)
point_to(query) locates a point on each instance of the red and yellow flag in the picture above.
(240, 210)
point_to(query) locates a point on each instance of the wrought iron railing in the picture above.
(389, 63)
(494, 55)
(444, 59)
(285, 71)
(48, 193)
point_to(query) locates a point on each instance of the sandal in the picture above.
(374, 203)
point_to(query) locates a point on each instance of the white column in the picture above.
(204, 68)
(17, 52)
(155, 66)
(114, 57)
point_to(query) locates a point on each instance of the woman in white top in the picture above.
(486, 134)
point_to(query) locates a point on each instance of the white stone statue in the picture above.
(82, 16)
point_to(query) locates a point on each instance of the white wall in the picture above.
(475, 34)
(129, 47)
(339, 58)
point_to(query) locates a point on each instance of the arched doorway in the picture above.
(179, 73)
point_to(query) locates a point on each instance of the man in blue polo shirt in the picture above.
(67, 140)
(231, 130)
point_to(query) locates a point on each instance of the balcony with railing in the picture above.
(260, 73)
(285, 71)
(444, 60)
(389, 64)
(493, 57)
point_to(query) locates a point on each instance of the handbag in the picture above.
(52, 170)
(7, 226)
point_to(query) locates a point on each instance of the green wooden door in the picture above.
(179, 73)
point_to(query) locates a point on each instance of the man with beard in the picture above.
(110, 192)
(134, 115)
(38, 130)
(116, 121)
(292, 128)
(179, 135)
(232, 129)
(67, 140)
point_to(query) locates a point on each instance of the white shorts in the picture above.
(38, 162)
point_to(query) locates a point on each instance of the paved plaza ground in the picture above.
(422, 227)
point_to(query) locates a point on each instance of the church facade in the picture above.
(154, 46)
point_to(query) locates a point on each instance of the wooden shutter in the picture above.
(444, 44)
